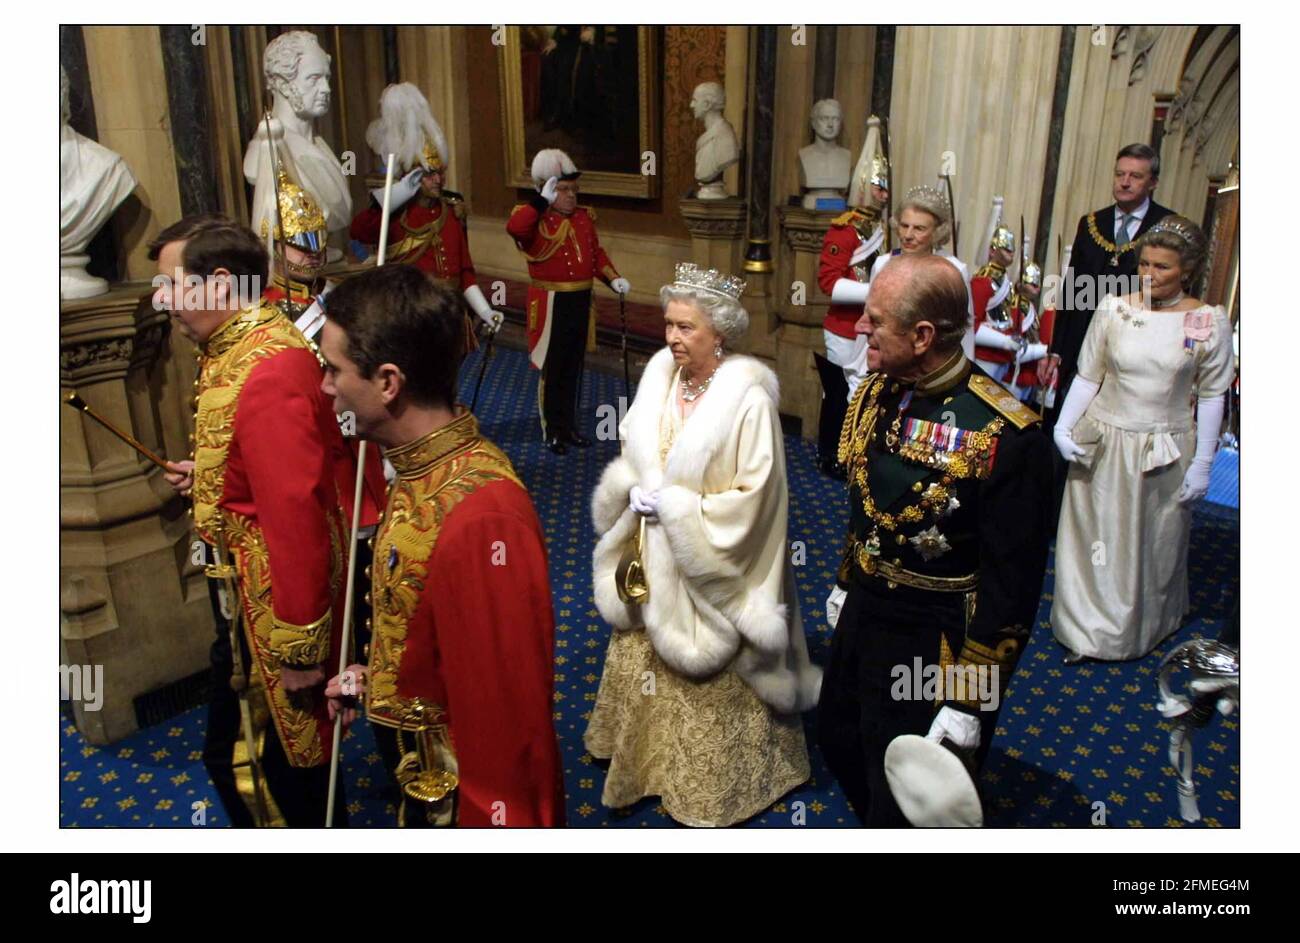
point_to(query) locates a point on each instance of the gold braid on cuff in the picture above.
(301, 645)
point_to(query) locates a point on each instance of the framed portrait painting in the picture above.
(593, 92)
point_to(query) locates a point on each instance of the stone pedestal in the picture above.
(717, 229)
(131, 601)
(802, 232)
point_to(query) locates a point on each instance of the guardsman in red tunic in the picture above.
(997, 324)
(459, 685)
(558, 238)
(427, 226)
(271, 484)
(856, 239)
(1036, 382)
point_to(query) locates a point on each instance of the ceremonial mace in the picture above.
(349, 594)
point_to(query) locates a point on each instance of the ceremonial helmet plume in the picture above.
(406, 127)
(872, 168)
(553, 162)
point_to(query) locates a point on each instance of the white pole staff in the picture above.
(349, 594)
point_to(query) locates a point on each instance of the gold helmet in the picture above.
(1002, 238)
(300, 214)
(1032, 275)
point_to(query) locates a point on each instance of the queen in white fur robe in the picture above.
(702, 688)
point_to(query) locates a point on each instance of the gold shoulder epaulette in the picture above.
(589, 210)
(1002, 402)
(846, 218)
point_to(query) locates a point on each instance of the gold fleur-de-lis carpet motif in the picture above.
(1077, 745)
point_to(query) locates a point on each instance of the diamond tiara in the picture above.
(1178, 225)
(690, 275)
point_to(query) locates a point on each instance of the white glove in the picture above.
(989, 336)
(1209, 417)
(1076, 404)
(962, 729)
(549, 188)
(834, 603)
(645, 503)
(621, 285)
(850, 291)
(1031, 353)
(403, 190)
(474, 298)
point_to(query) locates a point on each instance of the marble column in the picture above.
(758, 253)
(191, 125)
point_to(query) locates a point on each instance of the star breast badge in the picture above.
(930, 544)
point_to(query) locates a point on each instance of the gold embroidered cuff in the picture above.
(301, 645)
(983, 670)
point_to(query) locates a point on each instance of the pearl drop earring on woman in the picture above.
(717, 352)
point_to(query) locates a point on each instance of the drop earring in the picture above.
(717, 352)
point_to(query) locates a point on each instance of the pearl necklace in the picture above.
(690, 391)
(1168, 303)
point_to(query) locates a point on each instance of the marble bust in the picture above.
(717, 148)
(824, 166)
(298, 74)
(93, 182)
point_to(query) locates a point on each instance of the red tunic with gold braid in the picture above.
(268, 460)
(841, 241)
(463, 631)
(982, 288)
(564, 255)
(1040, 332)
(426, 233)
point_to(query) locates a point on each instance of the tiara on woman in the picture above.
(1183, 228)
(690, 275)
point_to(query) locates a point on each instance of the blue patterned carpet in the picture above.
(1071, 736)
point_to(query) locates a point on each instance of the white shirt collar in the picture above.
(1138, 214)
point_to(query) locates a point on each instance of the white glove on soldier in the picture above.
(1076, 404)
(479, 305)
(962, 729)
(848, 291)
(1209, 417)
(645, 503)
(403, 190)
(834, 603)
(549, 189)
(989, 336)
(621, 285)
(1031, 353)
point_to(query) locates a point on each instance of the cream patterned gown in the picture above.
(711, 750)
(1121, 549)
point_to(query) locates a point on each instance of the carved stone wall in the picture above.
(130, 599)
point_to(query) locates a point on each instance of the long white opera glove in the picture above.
(645, 503)
(549, 188)
(474, 298)
(621, 285)
(989, 336)
(847, 291)
(1209, 417)
(403, 190)
(834, 603)
(962, 729)
(1076, 404)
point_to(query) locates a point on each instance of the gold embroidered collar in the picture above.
(291, 287)
(414, 459)
(951, 372)
(229, 334)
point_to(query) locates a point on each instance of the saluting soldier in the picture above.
(949, 480)
(427, 221)
(558, 238)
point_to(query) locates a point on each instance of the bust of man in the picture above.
(298, 74)
(823, 165)
(717, 148)
(93, 182)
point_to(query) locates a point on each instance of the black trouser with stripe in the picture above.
(562, 370)
(859, 713)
